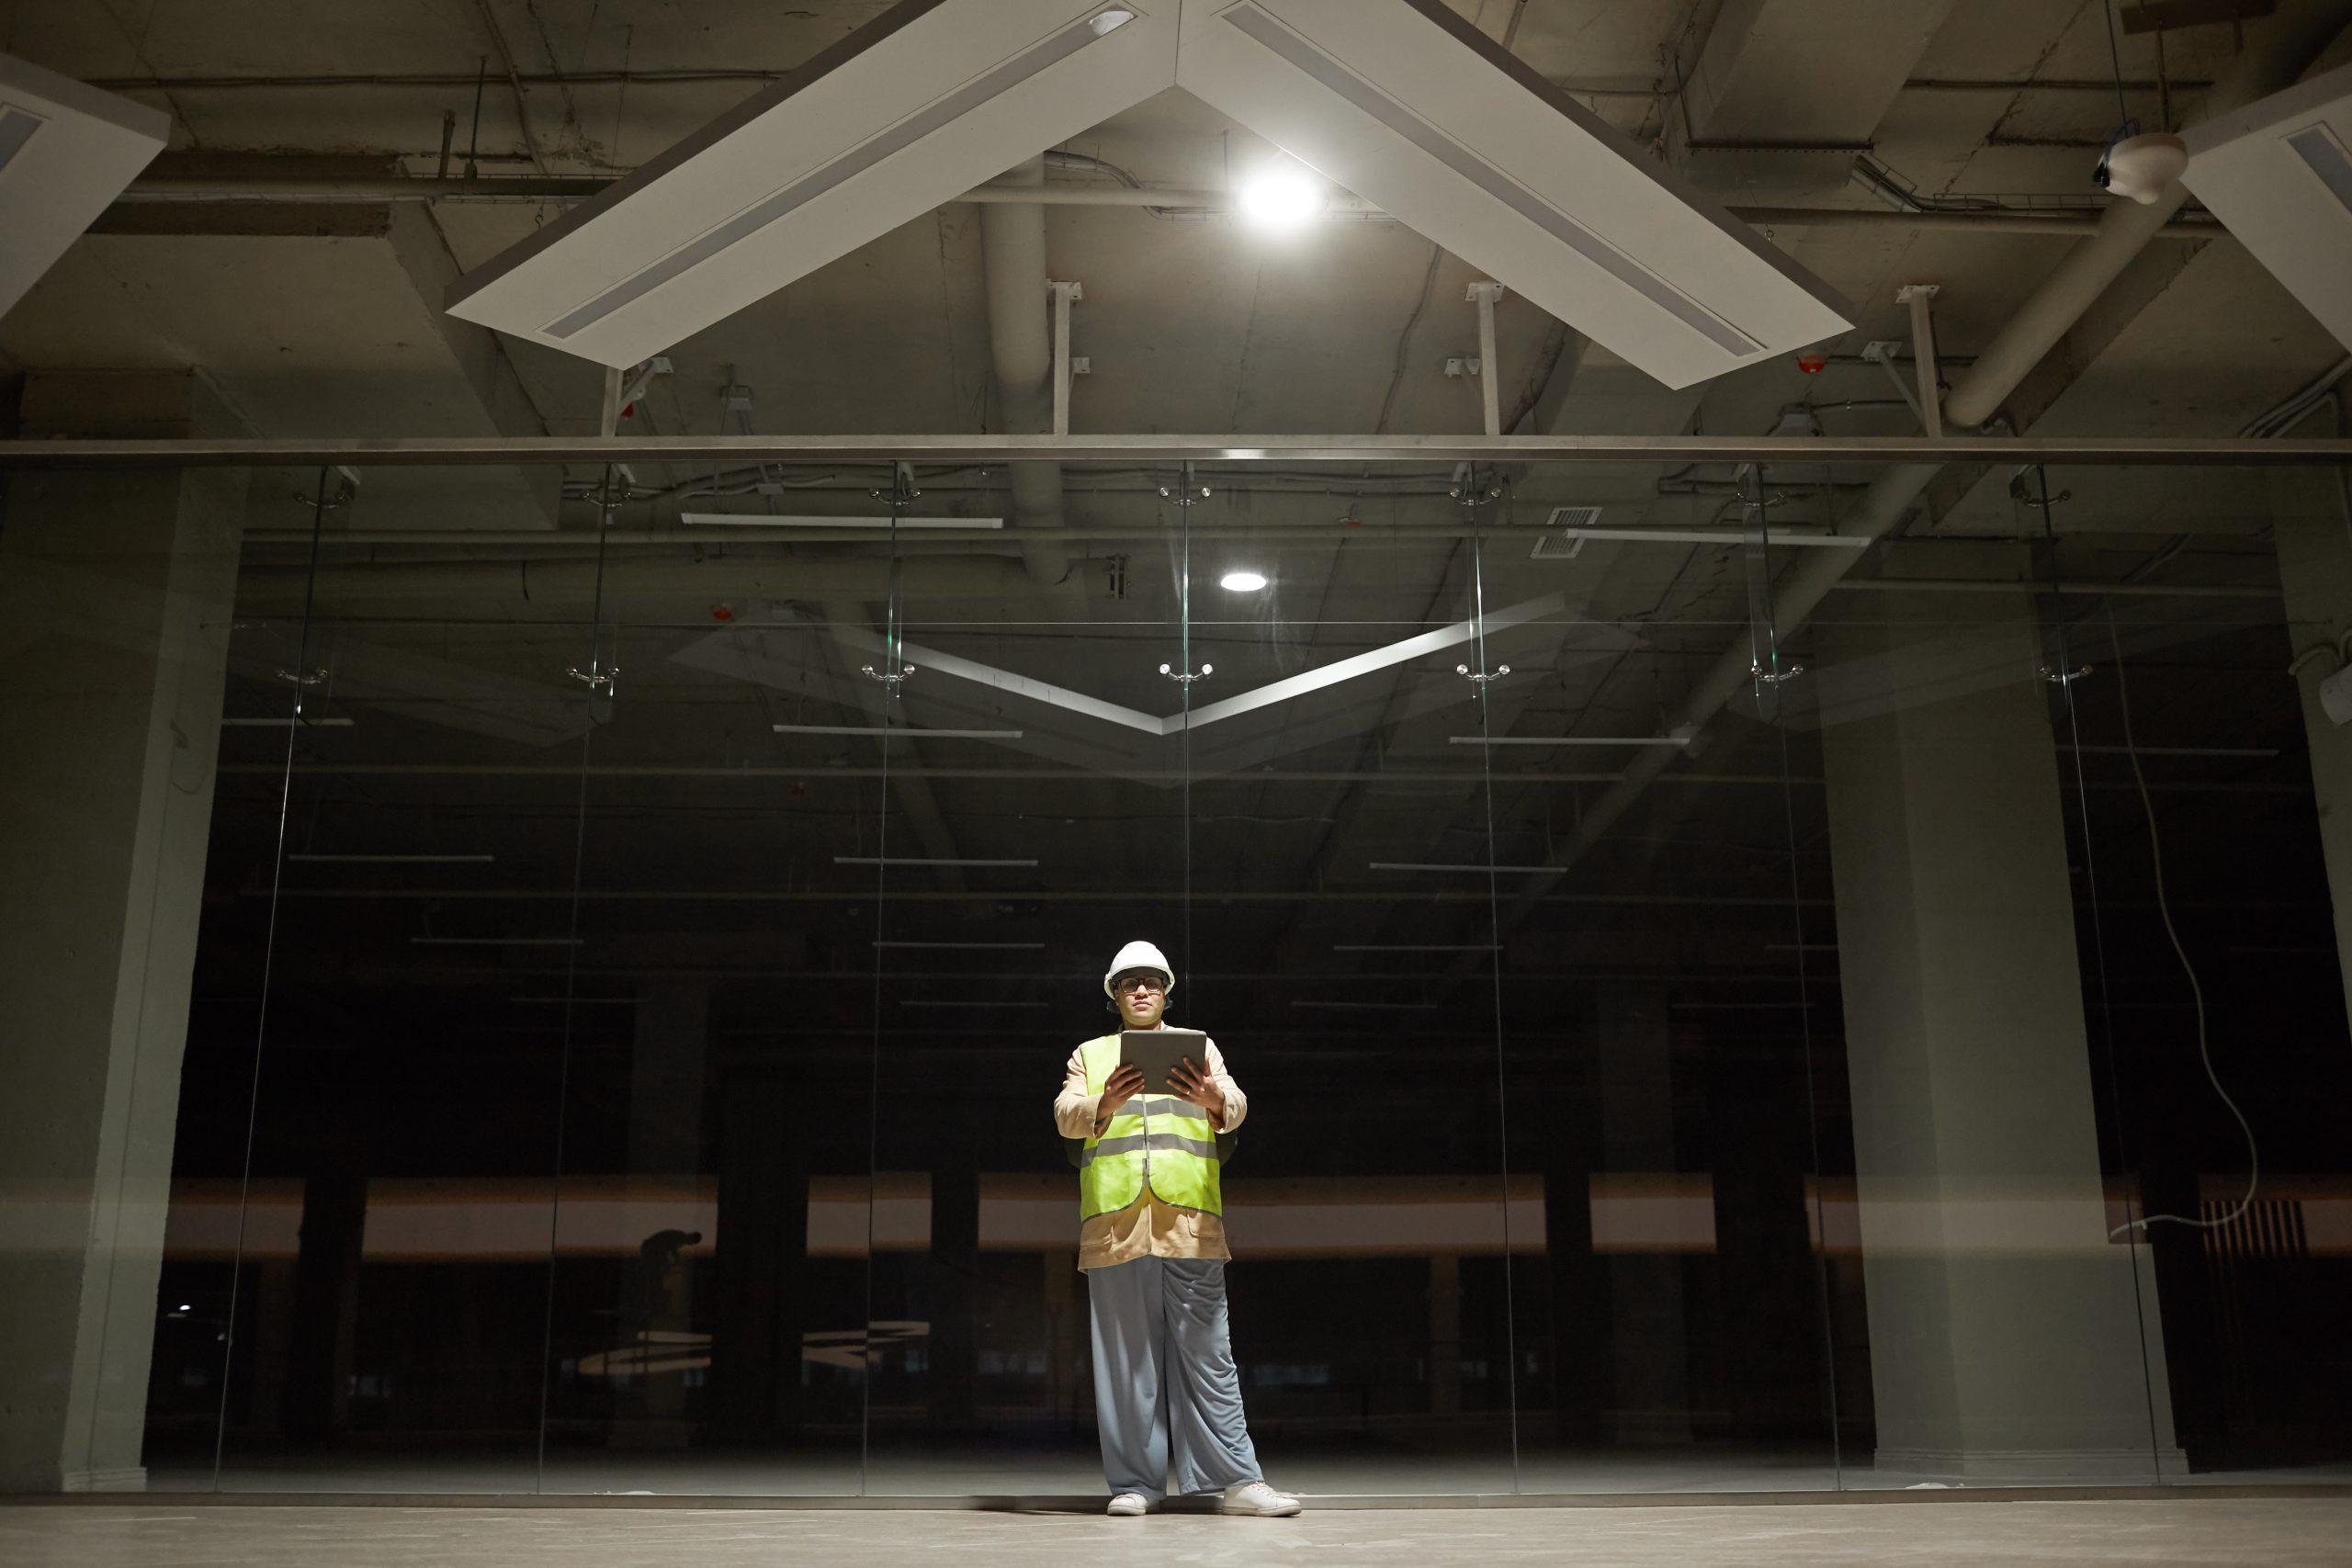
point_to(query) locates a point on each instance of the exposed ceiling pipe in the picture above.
(1012, 246)
(497, 189)
(576, 581)
(2273, 58)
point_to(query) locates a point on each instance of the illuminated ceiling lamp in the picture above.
(66, 150)
(1409, 105)
(2278, 174)
(928, 100)
(1281, 196)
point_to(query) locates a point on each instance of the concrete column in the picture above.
(114, 593)
(1650, 1360)
(2009, 1336)
(950, 1281)
(1577, 1340)
(672, 1038)
(2313, 538)
(1445, 1335)
(1066, 1331)
(760, 1319)
(1772, 1338)
(325, 1320)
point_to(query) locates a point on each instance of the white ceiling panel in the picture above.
(930, 99)
(66, 150)
(1406, 104)
(2278, 172)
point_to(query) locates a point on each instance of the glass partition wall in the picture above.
(1724, 1003)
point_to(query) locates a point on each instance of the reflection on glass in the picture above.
(1917, 1068)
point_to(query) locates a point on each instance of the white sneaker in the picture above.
(1257, 1497)
(1127, 1505)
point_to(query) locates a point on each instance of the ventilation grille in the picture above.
(1556, 546)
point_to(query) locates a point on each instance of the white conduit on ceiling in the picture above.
(1012, 244)
(2275, 55)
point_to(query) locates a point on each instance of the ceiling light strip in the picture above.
(1291, 47)
(1707, 537)
(761, 520)
(2324, 155)
(895, 138)
(394, 860)
(1416, 947)
(899, 860)
(1567, 740)
(1415, 865)
(1366, 663)
(896, 729)
(16, 127)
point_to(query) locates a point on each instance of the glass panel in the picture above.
(1032, 823)
(1663, 996)
(707, 1326)
(1851, 1112)
(393, 1295)
(2200, 781)
(2003, 1309)
(1343, 932)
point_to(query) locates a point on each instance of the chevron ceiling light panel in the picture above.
(2278, 172)
(66, 150)
(928, 100)
(1398, 100)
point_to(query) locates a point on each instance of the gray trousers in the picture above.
(1165, 1383)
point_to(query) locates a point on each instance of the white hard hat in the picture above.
(1139, 956)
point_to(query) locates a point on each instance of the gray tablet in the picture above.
(1155, 1051)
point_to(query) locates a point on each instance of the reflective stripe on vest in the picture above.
(1138, 1143)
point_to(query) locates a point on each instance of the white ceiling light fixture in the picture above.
(1241, 581)
(1410, 106)
(928, 100)
(1402, 101)
(761, 520)
(66, 150)
(907, 729)
(1279, 197)
(2278, 174)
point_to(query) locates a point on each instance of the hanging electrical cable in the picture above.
(2196, 990)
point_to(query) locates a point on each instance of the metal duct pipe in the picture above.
(1012, 244)
(2273, 57)
(535, 188)
(2272, 60)
(573, 582)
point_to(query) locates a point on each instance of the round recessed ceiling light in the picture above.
(1242, 581)
(1110, 20)
(1279, 197)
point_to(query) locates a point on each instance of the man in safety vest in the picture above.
(1151, 1241)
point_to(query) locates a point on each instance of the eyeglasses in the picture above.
(1138, 983)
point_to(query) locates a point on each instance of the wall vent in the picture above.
(1558, 546)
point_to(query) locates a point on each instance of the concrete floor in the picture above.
(2165, 1533)
(949, 1472)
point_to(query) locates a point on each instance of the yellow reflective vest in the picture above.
(1169, 1143)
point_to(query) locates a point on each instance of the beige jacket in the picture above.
(1145, 1227)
